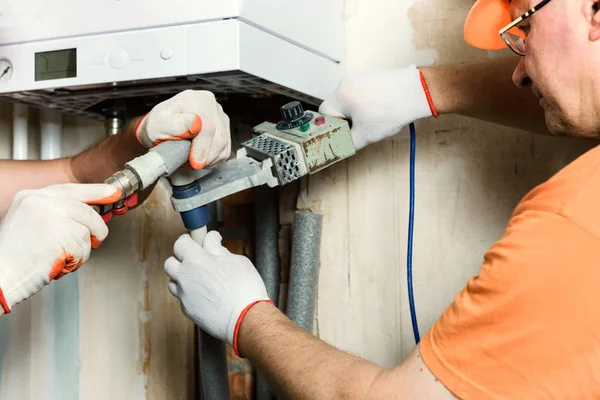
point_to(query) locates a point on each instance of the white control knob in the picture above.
(118, 58)
(166, 53)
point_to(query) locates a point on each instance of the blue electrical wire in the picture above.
(411, 224)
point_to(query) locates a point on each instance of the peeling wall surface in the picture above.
(112, 330)
(469, 177)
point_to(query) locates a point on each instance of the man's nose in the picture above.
(520, 76)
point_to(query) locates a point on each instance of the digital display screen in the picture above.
(57, 64)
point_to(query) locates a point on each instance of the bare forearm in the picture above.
(91, 166)
(485, 91)
(19, 175)
(107, 157)
(297, 364)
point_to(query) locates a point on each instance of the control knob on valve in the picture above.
(292, 111)
(293, 116)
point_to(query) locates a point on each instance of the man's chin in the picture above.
(559, 125)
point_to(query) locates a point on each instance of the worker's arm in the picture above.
(193, 115)
(381, 104)
(300, 366)
(224, 295)
(92, 165)
(485, 91)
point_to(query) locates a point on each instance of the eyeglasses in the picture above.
(517, 42)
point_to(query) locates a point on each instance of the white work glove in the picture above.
(48, 233)
(216, 288)
(380, 104)
(194, 115)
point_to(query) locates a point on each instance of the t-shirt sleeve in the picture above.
(521, 328)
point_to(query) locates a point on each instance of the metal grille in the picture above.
(85, 100)
(284, 156)
(267, 145)
(288, 166)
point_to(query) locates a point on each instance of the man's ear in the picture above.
(595, 21)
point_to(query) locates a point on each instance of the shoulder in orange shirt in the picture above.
(528, 327)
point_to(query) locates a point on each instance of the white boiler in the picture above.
(78, 55)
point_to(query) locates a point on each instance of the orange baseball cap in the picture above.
(484, 21)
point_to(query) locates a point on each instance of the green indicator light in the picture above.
(304, 127)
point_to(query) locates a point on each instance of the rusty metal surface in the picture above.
(321, 146)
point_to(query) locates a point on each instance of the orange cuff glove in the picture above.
(48, 233)
(380, 104)
(190, 115)
(216, 288)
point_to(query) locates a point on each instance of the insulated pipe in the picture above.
(266, 210)
(50, 130)
(266, 213)
(214, 378)
(304, 269)
(20, 132)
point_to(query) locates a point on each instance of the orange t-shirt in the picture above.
(528, 327)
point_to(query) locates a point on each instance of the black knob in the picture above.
(292, 111)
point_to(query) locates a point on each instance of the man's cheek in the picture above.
(530, 67)
(535, 64)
